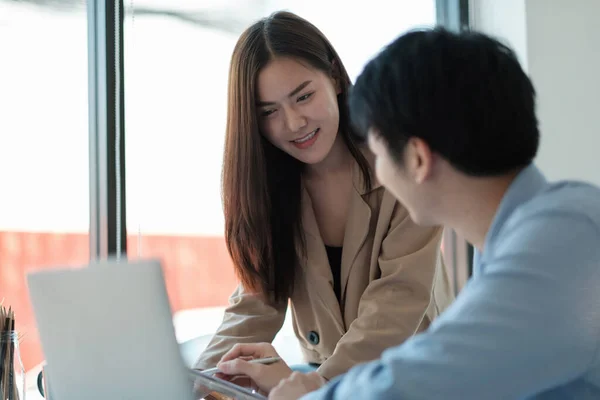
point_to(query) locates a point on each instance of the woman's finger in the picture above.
(252, 350)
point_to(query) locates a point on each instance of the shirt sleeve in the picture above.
(527, 323)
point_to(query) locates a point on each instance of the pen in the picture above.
(264, 361)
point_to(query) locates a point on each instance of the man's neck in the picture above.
(474, 206)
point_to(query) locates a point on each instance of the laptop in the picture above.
(107, 333)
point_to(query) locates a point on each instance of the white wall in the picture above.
(557, 42)
(504, 19)
(564, 61)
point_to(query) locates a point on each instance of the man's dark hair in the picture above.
(464, 94)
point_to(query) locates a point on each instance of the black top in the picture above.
(334, 254)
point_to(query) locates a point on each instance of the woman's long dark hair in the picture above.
(261, 184)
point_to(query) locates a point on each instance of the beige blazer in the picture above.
(393, 285)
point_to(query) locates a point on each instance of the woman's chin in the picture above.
(311, 156)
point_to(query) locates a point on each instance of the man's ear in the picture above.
(419, 159)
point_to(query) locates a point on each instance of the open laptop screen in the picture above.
(107, 332)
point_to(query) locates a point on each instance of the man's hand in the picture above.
(296, 386)
(266, 377)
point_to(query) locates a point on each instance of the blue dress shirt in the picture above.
(526, 325)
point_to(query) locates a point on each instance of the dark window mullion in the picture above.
(107, 187)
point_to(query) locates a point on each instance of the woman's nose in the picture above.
(295, 121)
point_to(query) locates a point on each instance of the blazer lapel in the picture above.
(357, 229)
(317, 262)
(357, 226)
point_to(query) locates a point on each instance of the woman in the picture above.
(305, 219)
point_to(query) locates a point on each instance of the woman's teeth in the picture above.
(307, 137)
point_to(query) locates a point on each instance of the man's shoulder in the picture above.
(567, 201)
(563, 214)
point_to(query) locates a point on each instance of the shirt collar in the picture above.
(523, 188)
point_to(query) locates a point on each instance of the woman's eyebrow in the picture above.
(292, 93)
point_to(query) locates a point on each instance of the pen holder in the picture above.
(12, 373)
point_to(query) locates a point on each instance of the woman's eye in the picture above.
(266, 113)
(305, 97)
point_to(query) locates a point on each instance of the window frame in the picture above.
(108, 230)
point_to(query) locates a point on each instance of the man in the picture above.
(451, 120)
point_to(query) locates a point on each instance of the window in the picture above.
(44, 170)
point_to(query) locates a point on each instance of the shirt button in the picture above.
(313, 338)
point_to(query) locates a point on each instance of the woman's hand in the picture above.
(266, 377)
(296, 386)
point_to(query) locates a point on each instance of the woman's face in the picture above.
(298, 109)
